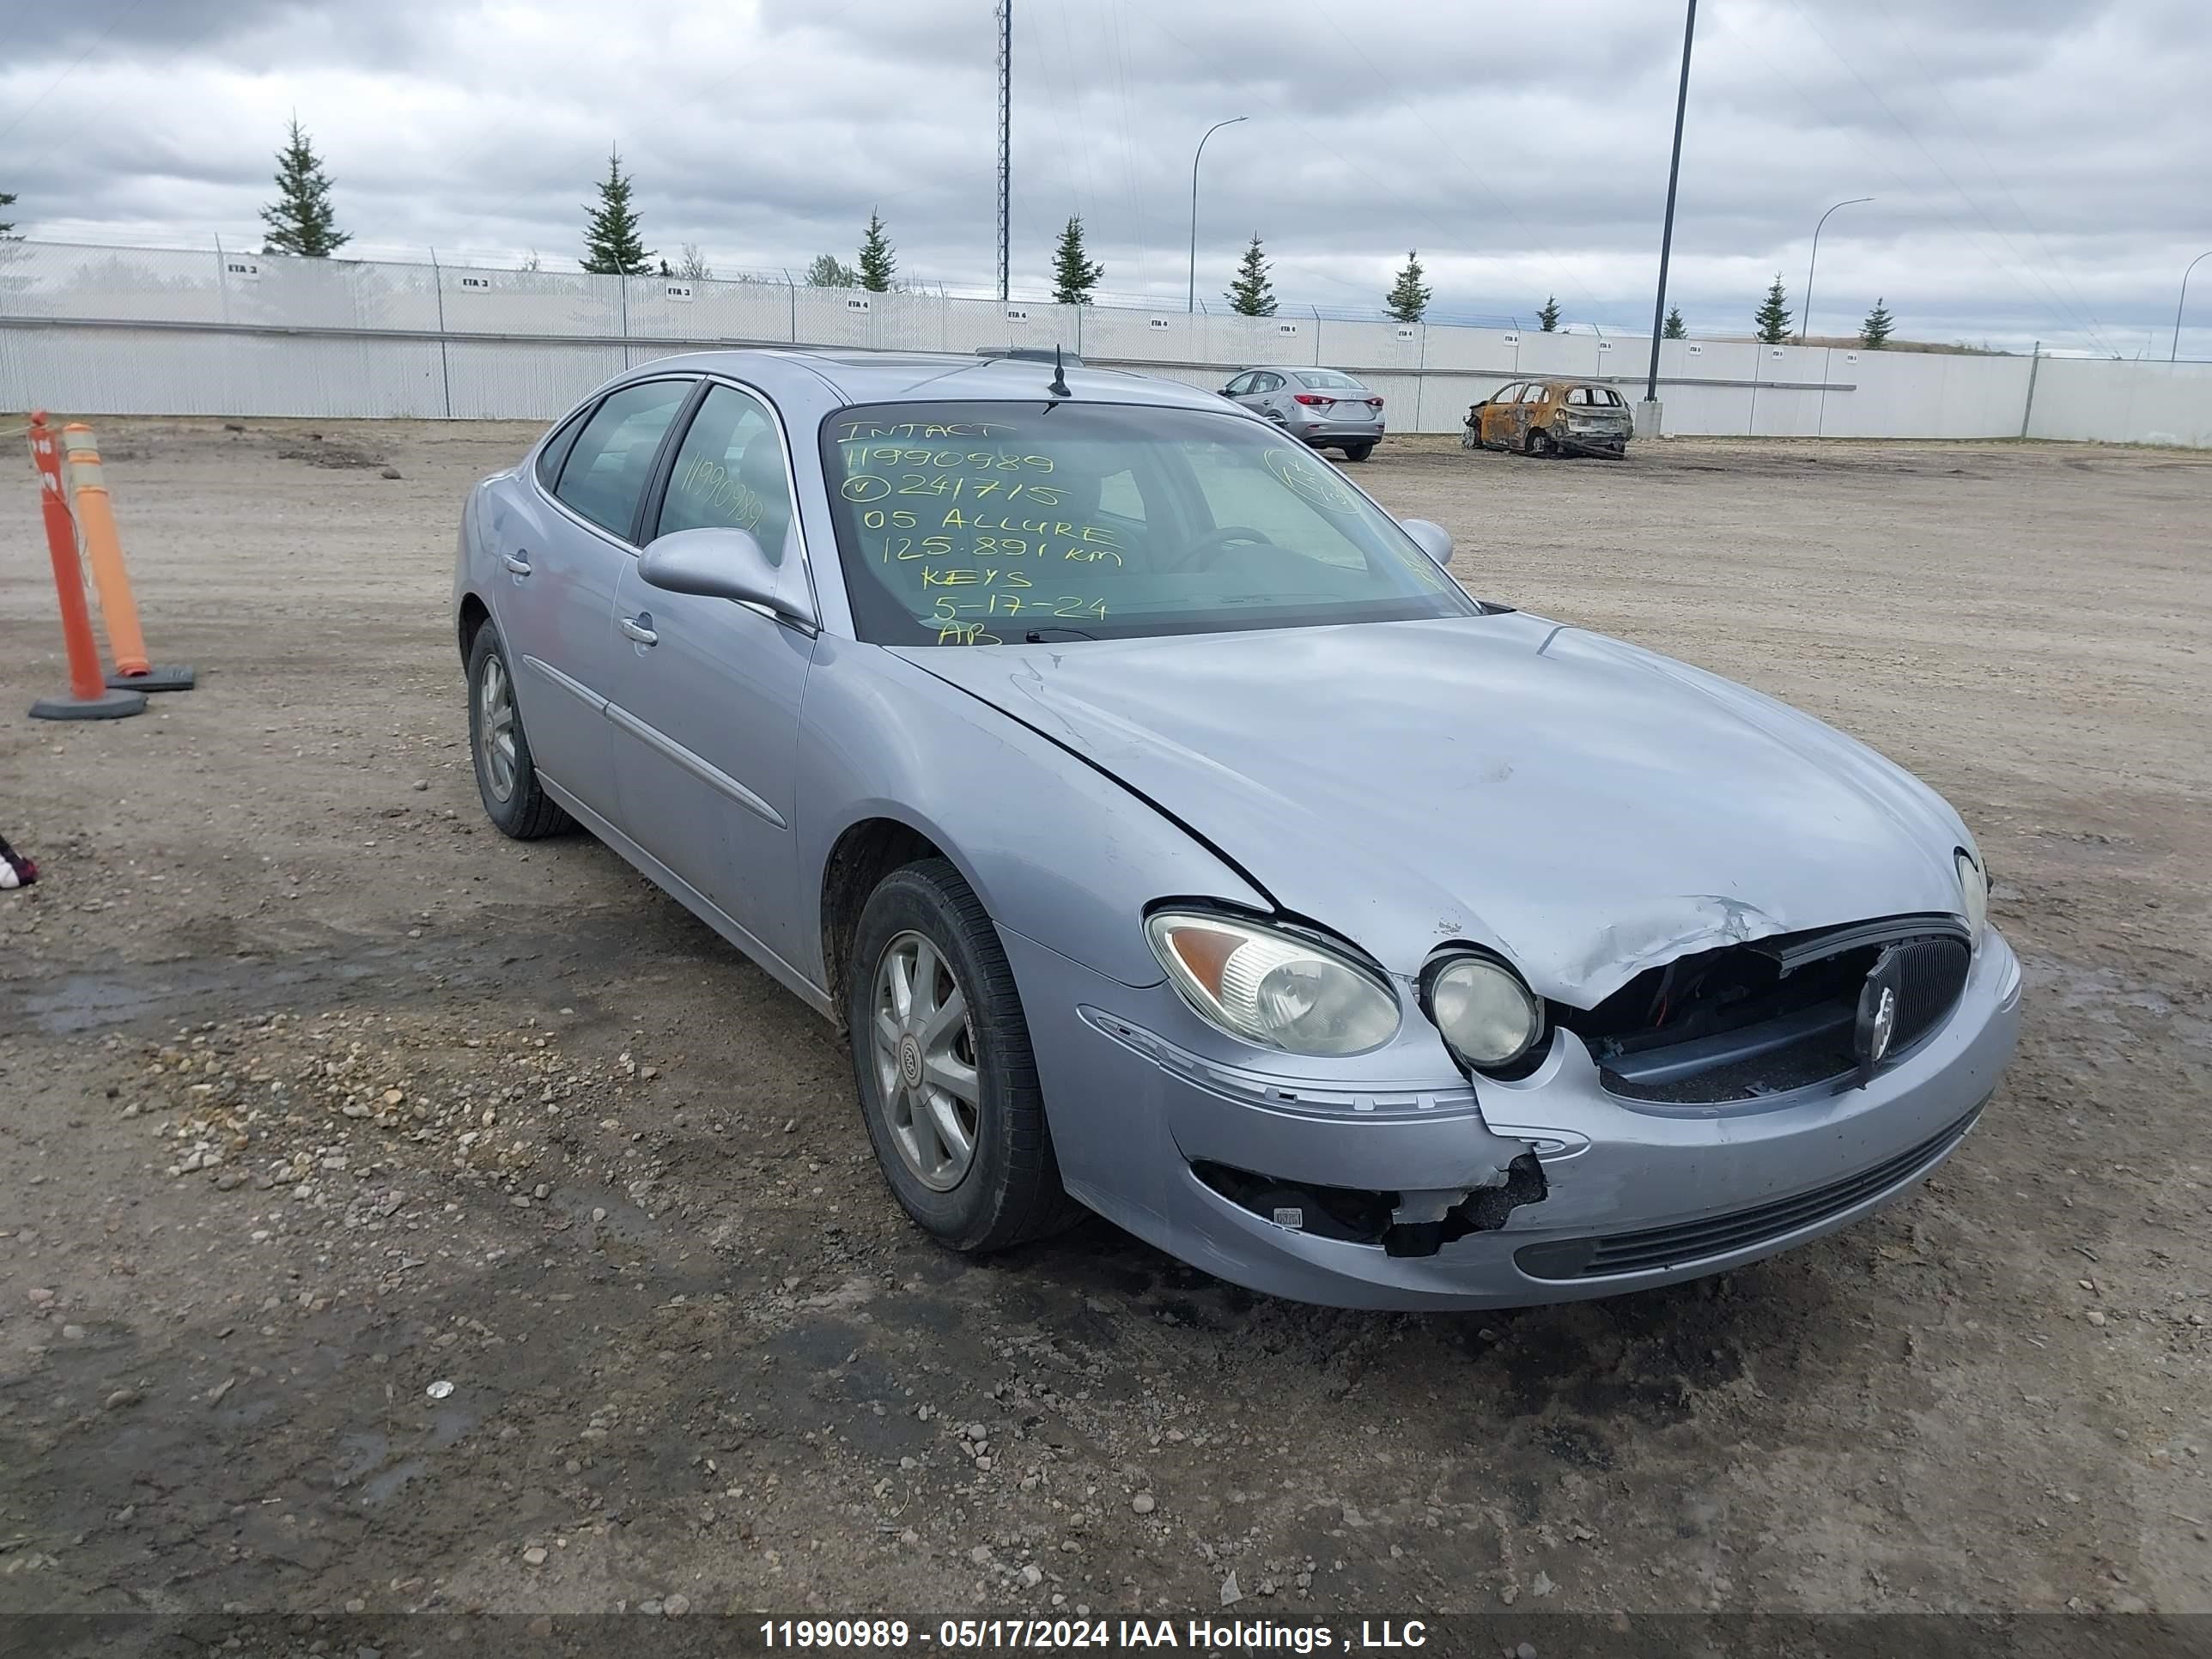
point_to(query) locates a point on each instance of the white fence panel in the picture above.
(161, 331)
(2117, 402)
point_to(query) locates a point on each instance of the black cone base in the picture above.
(108, 706)
(160, 678)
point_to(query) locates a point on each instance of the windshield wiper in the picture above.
(1036, 635)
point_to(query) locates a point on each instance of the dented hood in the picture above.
(1586, 808)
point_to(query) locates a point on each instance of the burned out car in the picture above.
(1552, 417)
(1175, 837)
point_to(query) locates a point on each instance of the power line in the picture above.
(1989, 166)
(98, 41)
(2077, 320)
(1496, 200)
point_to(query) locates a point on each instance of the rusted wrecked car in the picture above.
(1552, 417)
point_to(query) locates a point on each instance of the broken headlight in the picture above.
(1278, 989)
(1487, 1016)
(1974, 891)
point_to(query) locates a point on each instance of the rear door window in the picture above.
(606, 472)
(556, 448)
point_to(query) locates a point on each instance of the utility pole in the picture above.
(1667, 233)
(1005, 140)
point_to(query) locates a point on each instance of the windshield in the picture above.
(991, 522)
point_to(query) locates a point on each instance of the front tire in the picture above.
(506, 777)
(941, 1058)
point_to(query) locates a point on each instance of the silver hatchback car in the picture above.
(1324, 407)
(1175, 838)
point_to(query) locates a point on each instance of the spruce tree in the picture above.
(1409, 296)
(612, 246)
(828, 271)
(1073, 274)
(876, 265)
(1772, 315)
(7, 199)
(1547, 319)
(1674, 331)
(300, 219)
(1873, 333)
(1251, 294)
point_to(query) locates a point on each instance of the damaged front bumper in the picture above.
(1346, 1184)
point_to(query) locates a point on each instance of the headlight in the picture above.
(1488, 1018)
(1274, 989)
(1974, 889)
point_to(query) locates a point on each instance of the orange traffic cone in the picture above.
(103, 549)
(87, 699)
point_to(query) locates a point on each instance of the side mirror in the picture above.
(1435, 540)
(1226, 392)
(719, 563)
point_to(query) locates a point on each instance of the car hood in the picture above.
(1587, 808)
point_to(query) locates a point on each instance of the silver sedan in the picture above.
(1176, 839)
(1324, 407)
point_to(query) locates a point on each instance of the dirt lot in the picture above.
(316, 1096)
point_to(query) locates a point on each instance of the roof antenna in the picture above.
(1059, 386)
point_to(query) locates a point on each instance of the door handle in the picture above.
(640, 627)
(519, 563)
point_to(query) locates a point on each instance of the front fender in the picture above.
(1056, 850)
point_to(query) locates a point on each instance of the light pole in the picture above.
(1667, 232)
(1190, 303)
(1805, 316)
(2174, 350)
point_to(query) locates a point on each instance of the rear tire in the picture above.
(506, 777)
(1357, 452)
(1537, 443)
(950, 1099)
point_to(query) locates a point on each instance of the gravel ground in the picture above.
(397, 1217)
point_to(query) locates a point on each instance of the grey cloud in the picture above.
(2035, 161)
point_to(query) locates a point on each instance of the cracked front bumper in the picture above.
(1137, 1090)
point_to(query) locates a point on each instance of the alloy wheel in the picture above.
(924, 1047)
(496, 728)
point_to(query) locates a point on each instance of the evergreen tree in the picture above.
(1409, 296)
(7, 199)
(1772, 316)
(1674, 331)
(1548, 318)
(828, 271)
(612, 246)
(300, 219)
(1252, 295)
(1873, 333)
(1073, 274)
(876, 262)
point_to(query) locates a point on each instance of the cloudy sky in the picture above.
(2039, 167)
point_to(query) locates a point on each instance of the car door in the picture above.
(1524, 411)
(705, 699)
(1265, 397)
(1490, 413)
(1237, 388)
(562, 535)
